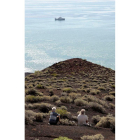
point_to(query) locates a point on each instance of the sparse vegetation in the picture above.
(71, 87)
(95, 137)
(62, 138)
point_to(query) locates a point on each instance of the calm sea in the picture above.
(88, 32)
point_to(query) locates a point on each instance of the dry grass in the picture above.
(68, 122)
(95, 137)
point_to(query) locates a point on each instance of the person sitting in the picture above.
(54, 117)
(82, 118)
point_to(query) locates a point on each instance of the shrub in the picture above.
(96, 119)
(107, 122)
(109, 97)
(44, 107)
(95, 91)
(68, 90)
(101, 88)
(58, 102)
(103, 103)
(63, 107)
(95, 137)
(29, 117)
(63, 113)
(32, 99)
(80, 102)
(51, 91)
(97, 107)
(112, 93)
(39, 117)
(46, 98)
(62, 138)
(54, 98)
(73, 96)
(39, 86)
(33, 92)
(113, 86)
(63, 94)
(112, 105)
(65, 99)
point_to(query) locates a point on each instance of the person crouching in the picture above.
(54, 117)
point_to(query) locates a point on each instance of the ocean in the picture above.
(88, 32)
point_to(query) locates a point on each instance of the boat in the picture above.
(60, 18)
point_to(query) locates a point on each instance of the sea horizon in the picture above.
(88, 32)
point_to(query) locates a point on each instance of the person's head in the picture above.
(53, 109)
(82, 112)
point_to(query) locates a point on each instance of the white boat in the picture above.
(60, 18)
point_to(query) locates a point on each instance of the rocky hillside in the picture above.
(70, 86)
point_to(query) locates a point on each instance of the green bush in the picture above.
(63, 107)
(95, 137)
(62, 138)
(63, 113)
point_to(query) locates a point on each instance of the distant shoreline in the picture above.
(28, 73)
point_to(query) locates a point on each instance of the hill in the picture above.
(70, 86)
